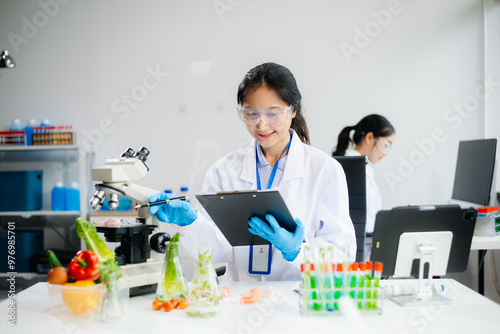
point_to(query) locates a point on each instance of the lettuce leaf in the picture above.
(87, 231)
(108, 267)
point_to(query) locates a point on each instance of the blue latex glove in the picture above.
(286, 242)
(176, 212)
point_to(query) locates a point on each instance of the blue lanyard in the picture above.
(275, 168)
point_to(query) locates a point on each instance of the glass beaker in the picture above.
(172, 282)
(205, 294)
(114, 299)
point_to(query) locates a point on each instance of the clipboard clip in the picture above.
(236, 191)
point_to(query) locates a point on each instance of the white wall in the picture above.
(76, 66)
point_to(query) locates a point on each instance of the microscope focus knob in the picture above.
(158, 242)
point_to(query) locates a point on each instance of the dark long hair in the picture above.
(378, 125)
(281, 82)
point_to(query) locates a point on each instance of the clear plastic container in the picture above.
(75, 301)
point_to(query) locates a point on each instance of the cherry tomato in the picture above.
(175, 302)
(183, 304)
(157, 304)
(167, 306)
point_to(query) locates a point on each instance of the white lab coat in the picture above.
(373, 195)
(314, 188)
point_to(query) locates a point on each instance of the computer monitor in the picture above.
(391, 224)
(474, 173)
(425, 242)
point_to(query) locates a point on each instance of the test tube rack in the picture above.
(12, 138)
(322, 295)
(53, 135)
(41, 135)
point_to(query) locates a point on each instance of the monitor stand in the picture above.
(425, 294)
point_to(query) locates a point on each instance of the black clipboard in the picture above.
(231, 211)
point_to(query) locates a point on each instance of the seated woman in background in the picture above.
(373, 136)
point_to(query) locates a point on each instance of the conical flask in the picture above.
(205, 295)
(172, 282)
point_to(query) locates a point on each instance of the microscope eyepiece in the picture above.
(129, 153)
(142, 154)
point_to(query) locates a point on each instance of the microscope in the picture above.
(134, 253)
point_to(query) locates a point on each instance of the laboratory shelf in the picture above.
(27, 214)
(37, 147)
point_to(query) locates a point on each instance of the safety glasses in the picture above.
(270, 116)
(383, 145)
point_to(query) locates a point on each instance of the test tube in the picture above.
(306, 285)
(377, 275)
(361, 285)
(353, 278)
(369, 278)
(339, 284)
(316, 295)
(325, 280)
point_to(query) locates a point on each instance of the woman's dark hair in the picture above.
(281, 82)
(376, 124)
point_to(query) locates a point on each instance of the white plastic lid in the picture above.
(17, 125)
(33, 122)
(60, 184)
(75, 185)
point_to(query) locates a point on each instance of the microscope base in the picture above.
(143, 277)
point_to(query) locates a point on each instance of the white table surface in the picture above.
(479, 242)
(470, 313)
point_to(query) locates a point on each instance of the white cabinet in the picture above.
(66, 163)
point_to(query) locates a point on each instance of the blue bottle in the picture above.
(73, 197)
(184, 192)
(58, 197)
(29, 131)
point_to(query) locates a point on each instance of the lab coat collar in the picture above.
(294, 168)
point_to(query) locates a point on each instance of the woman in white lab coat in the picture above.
(373, 137)
(312, 184)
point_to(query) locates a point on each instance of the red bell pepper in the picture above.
(84, 266)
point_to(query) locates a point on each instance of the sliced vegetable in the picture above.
(84, 266)
(249, 300)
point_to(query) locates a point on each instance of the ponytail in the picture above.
(300, 126)
(343, 141)
(376, 124)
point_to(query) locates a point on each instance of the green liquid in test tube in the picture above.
(361, 285)
(339, 283)
(376, 281)
(369, 278)
(326, 278)
(306, 285)
(353, 279)
(315, 295)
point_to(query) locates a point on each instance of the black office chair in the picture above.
(355, 172)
